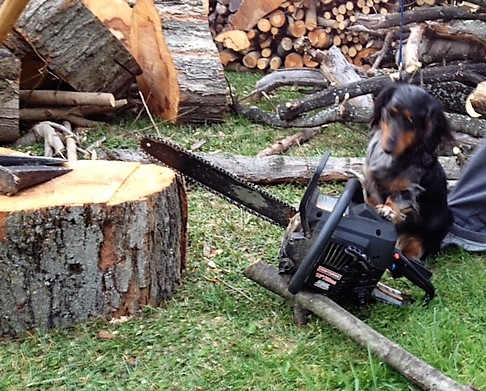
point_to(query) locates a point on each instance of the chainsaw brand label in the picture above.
(327, 272)
(326, 278)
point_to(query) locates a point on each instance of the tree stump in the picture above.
(103, 240)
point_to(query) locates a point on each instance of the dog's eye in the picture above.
(393, 111)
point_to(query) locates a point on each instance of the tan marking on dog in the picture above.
(411, 246)
(405, 140)
(399, 184)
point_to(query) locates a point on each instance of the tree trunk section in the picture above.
(77, 47)
(183, 79)
(279, 169)
(103, 240)
(9, 97)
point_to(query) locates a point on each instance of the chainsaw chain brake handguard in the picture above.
(351, 230)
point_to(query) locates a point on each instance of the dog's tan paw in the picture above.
(389, 213)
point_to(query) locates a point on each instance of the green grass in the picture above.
(223, 332)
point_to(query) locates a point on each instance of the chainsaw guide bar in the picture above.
(216, 180)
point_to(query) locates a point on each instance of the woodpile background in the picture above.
(268, 35)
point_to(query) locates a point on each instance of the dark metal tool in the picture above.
(20, 172)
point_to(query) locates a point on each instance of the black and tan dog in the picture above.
(403, 179)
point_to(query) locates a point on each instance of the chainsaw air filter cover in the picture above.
(355, 257)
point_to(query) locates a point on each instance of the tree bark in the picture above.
(414, 369)
(9, 97)
(103, 240)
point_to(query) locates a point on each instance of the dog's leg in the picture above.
(411, 246)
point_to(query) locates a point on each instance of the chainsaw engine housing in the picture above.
(344, 258)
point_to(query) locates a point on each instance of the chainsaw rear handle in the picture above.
(318, 246)
(415, 273)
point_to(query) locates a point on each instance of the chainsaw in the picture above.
(340, 247)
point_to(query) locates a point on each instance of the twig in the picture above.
(283, 145)
(149, 114)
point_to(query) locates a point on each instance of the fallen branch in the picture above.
(414, 369)
(466, 73)
(53, 145)
(417, 15)
(302, 77)
(344, 114)
(283, 145)
(49, 114)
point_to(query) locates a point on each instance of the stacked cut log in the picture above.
(278, 33)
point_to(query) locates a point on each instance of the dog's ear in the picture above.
(438, 128)
(381, 100)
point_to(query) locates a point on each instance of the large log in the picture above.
(76, 46)
(9, 97)
(183, 79)
(285, 169)
(103, 240)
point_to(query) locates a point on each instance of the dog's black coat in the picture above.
(402, 177)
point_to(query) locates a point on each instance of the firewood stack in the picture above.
(267, 35)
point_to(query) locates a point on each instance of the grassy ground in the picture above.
(223, 332)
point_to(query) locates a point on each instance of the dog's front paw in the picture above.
(389, 213)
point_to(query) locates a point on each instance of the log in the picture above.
(183, 79)
(103, 240)
(413, 368)
(9, 97)
(115, 14)
(251, 11)
(83, 53)
(271, 170)
(66, 98)
(476, 101)
(418, 15)
(236, 40)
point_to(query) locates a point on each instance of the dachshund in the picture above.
(403, 179)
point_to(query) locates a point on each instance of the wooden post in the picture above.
(103, 240)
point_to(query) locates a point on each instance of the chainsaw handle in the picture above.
(311, 193)
(415, 273)
(318, 246)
